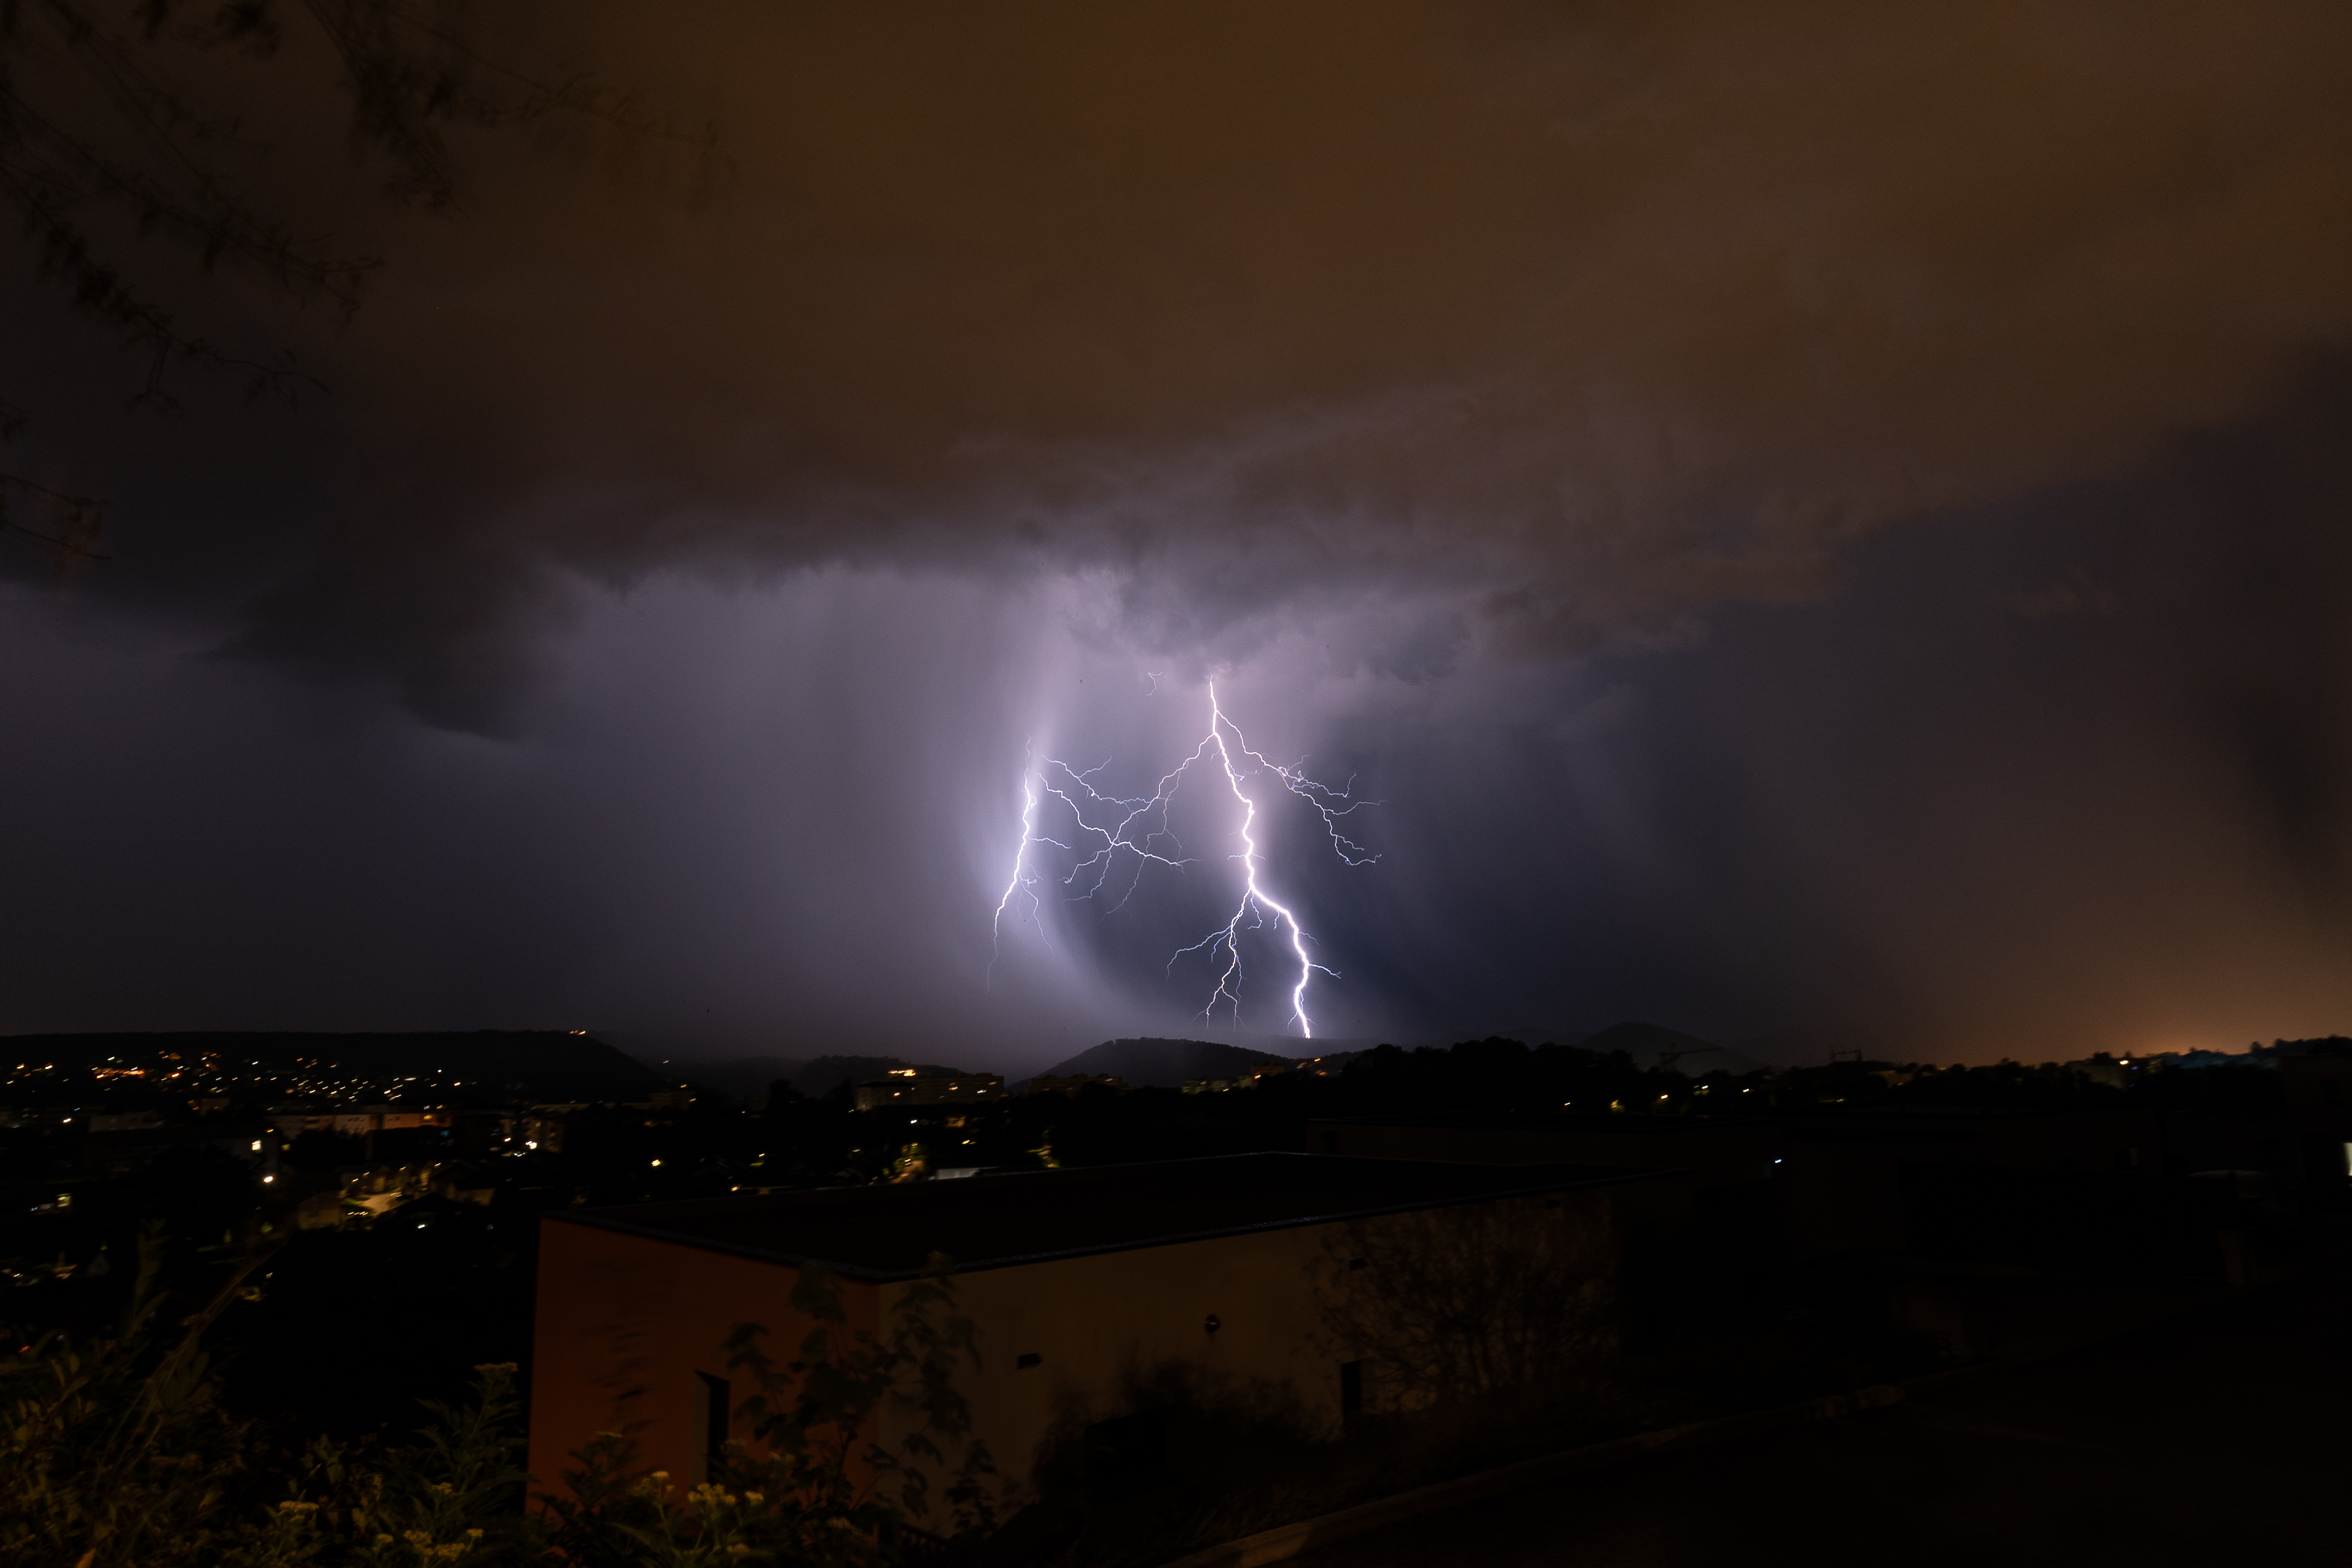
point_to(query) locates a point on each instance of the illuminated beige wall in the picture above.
(625, 1321)
(1101, 1322)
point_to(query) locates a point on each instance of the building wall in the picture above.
(1106, 1326)
(625, 1323)
(1702, 1237)
(622, 1325)
(1846, 1170)
(1842, 1197)
(897, 1093)
(2318, 1095)
(1121, 1333)
(2125, 1140)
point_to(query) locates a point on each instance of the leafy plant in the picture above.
(120, 1452)
(820, 1483)
(1463, 1302)
(452, 1497)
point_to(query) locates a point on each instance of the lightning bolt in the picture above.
(1121, 836)
(1022, 880)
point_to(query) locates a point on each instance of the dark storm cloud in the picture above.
(1578, 319)
(2060, 774)
(1823, 517)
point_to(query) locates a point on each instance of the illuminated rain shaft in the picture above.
(1120, 834)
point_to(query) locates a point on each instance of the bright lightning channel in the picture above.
(1121, 830)
(1021, 880)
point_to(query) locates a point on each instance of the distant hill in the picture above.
(1296, 1048)
(549, 1064)
(1163, 1064)
(745, 1078)
(1655, 1045)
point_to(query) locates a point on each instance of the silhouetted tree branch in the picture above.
(99, 149)
(1454, 1303)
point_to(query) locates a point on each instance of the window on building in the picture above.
(708, 1436)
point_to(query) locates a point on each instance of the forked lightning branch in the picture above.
(1114, 841)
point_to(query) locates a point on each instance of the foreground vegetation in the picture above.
(119, 1450)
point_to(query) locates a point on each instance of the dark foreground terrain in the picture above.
(2216, 1437)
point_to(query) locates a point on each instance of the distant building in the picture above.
(543, 1126)
(387, 1182)
(904, 1088)
(1324, 1067)
(462, 1181)
(2318, 1094)
(1745, 1202)
(1090, 1290)
(359, 1121)
(1249, 1080)
(2104, 1069)
(483, 1129)
(2168, 1061)
(321, 1211)
(122, 1142)
(1073, 1082)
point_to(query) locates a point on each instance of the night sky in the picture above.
(1818, 524)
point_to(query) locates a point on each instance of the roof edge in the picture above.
(601, 1220)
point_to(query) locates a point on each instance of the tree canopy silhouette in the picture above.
(114, 135)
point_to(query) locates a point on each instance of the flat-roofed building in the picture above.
(905, 1088)
(1706, 1236)
(1072, 1082)
(360, 1120)
(1089, 1287)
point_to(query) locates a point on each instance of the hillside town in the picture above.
(1229, 1218)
